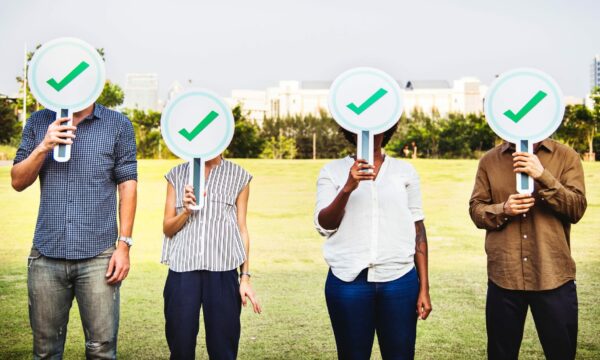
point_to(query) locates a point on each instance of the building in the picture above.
(141, 92)
(465, 96)
(292, 98)
(289, 98)
(595, 72)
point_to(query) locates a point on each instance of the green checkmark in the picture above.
(58, 86)
(367, 104)
(201, 126)
(527, 108)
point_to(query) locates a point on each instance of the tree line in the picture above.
(305, 137)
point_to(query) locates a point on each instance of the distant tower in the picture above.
(595, 73)
(141, 91)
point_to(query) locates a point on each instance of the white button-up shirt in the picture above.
(377, 231)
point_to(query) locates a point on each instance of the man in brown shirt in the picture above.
(528, 245)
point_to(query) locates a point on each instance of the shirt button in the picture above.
(505, 219)
(524, 215)
(543, 199)
(524, 236)
(525, 258)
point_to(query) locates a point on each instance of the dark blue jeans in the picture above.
(359, 308)
(52, 284)
(218, 294)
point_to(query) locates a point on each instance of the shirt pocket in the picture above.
(222, 207)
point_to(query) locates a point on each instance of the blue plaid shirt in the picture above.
(77, 218)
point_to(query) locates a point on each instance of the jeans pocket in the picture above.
(107, 253)
(34, 254)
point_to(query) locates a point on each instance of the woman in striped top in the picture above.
(203, 250)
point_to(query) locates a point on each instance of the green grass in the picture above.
(290, 272)
(7, 152)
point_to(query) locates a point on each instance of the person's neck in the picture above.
(80, 115)
(214, 162)
(378, 155)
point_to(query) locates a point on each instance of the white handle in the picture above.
(62, 152)
(364, 146)
(524, 181)
(197, 181)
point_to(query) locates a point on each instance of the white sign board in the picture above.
(197, 126)
(66, 75)
(365, 101)
(524, 106)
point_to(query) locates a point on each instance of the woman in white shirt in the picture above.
(373, 221)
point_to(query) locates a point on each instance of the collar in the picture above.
(547, 144)
(97, 113)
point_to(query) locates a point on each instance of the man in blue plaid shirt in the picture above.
(74, 253)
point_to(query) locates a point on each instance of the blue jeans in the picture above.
(52, 285)
(359, 308)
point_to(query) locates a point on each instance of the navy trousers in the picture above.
(554, 313)
(359, 308)
(217, 293)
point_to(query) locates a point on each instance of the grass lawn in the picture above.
(290, 272)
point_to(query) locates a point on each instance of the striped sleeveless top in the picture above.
(210, 239)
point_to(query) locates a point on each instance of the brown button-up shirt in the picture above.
(529, 251)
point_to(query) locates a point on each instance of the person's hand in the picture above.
(527, 163)
(518, 204)
(57, 134)
(360, 171)
(118, 267)
(246, 291)
(423, 305)
(189, 199)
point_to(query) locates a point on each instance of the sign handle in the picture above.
(62, 152)
(364, 146)
(198, 181)
(524, 181)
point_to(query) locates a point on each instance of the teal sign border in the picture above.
(541, 135)
(50, 104)
(336, 113)
(173, 145)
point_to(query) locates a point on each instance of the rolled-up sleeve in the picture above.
(125, 154)
(413, 190)
(27, 143)
(484, 213)
(567, 195)
(326, 193)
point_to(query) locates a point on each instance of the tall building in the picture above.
(141, 91)
(595, 72)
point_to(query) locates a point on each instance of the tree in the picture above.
(112, 95)
(246, 142)
(146, 125)
(10, 128)
(593, 122)
(280, 147)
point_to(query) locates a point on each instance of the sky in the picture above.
(252, 44)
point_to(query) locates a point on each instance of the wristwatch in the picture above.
(245, 273)
(127, 240)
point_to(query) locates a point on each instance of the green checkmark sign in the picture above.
(58, 86)
(201, 126)
(367, 104)
(539, 96)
